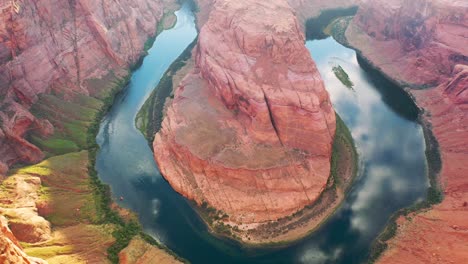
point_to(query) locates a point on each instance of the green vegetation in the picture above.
(343, 140)
(150, 116)
(315, 26)
(343, 76)
(76, 122)
(337, 29)
(55, 146)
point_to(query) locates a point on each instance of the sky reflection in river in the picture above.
(390, 143)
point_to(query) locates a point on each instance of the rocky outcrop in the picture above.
(10, 249)
(58, 47)
(306, 9)
(141, 252)
(417, 43)
(250, 129)
(18, 202)
(423, 44)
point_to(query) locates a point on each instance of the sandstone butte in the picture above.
(71, 51)
(251, 127)
(424, 44)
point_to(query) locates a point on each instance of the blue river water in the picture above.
(390, 142)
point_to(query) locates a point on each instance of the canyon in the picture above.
(248, 134)
(60, 63)
(423, 46)
(61, 48)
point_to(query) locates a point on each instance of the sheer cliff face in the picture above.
(251, 127)
(424, 43)
(55, 47)
(417, 42)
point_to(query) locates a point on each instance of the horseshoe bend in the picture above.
(221, 131)
(249, 132)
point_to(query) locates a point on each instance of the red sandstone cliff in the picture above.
(57, 47)
(415, 42)
(251, 127)
(425, 44)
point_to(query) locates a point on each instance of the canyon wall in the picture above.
(59, 61)
(59, 47)
(417, 43)
(424, 44)
(250, 129)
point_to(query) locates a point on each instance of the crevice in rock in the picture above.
(272, 120)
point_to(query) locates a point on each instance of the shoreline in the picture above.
(148, 121)
(129, 229)
(337, 189)
(432, 152)
(122, 223)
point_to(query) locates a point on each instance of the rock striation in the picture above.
(11, 250)
(424, 44)
(57, 47)
(417, 43)
(251, 127)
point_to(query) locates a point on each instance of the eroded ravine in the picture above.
(391, 176)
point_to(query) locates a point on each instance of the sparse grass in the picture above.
(65, 189)
(46, 252)
(54, 145)
(337, 29)
(343, 140)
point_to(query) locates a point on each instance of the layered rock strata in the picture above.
(250, 129)
(57, 47)
(424, 44)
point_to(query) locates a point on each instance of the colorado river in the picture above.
(392, 172)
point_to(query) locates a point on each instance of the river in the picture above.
(390, 142)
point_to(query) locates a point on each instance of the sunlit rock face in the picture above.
(11, 250)
(423, 44)
(250, 129)
(56, 47)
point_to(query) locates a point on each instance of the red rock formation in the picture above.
(415, 42)
(18, 203)
(440, 234)
(251, 127)
(140, 252)
(55, 47)
(10, 249)
(424, 43)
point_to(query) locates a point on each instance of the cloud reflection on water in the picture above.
(390, 148)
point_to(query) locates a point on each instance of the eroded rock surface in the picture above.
(11, 251)
(141, 252)
(250, 129)
(56, 47)
(418, 43)
(425, 44)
